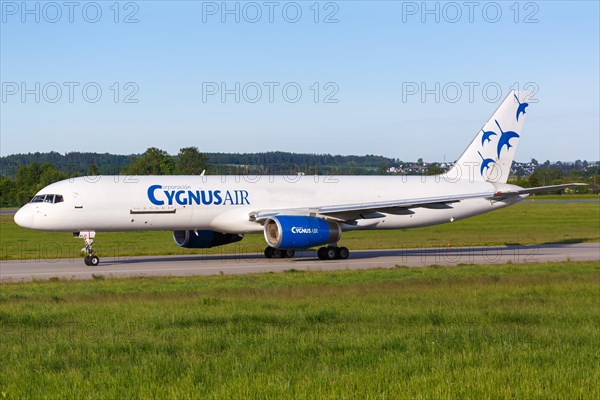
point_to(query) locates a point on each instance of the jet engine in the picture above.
(204, 239)
(300, 232)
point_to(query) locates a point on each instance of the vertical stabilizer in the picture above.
(489, 157)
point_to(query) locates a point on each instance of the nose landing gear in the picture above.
(90, 258)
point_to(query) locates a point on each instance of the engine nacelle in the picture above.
(300, 232)
(204, 239)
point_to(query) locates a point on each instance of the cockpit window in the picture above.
(47, 198)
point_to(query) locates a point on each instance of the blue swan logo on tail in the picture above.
(486, 136)
(485, 163)
(522, 107)
(505, 139)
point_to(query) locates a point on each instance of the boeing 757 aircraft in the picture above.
(293, 212)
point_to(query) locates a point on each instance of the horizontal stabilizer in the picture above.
(538, 189)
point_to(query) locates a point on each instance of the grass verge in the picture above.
(524, 223)
(508, 331)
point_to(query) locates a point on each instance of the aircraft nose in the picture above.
(24, 217)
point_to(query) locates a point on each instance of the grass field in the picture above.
(529, 222)
(486, 332)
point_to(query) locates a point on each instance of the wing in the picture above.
(504, 195)
(351, 212)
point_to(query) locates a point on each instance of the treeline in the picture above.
(556, 175)
(29, 179)
(23, 175)
(32, 177)
(276, 162)
(74, 163)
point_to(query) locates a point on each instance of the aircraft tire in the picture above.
(269, 252)
(277, 253)
(342, 253)
(331, 253)
(288, 253)
(322, 253)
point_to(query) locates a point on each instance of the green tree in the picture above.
(190, 161)
(31, 178)
(434, 170)
(153, 162)
(545, 176)
(8, 192)
(26, 182)
(93, 170)
(49, 174)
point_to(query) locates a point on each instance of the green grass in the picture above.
(565, 197)
(489, 332)
(525, 223)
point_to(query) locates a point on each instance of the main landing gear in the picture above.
(333, 253)
(90, 258)
(271, 252)
(324, 253)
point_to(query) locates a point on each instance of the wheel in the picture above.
(330, 253)
(342, 253)
(94, 260)
(322, 253)
(269, 252)
(87, 260)
(277, 253)
(288, 253)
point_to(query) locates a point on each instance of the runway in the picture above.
(43, 269)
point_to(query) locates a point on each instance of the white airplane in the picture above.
(293, 212)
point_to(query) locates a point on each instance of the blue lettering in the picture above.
(218, 198)
(194, 197)
(206, 201)
(178, 198)
(228, 198)
(198, 197)
(244, 197)
(151, 196)
(170, 196)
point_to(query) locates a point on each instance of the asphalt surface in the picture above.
(254, 263)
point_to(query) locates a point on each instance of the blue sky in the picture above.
(341, 85)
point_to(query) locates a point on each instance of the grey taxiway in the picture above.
(202, 264)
